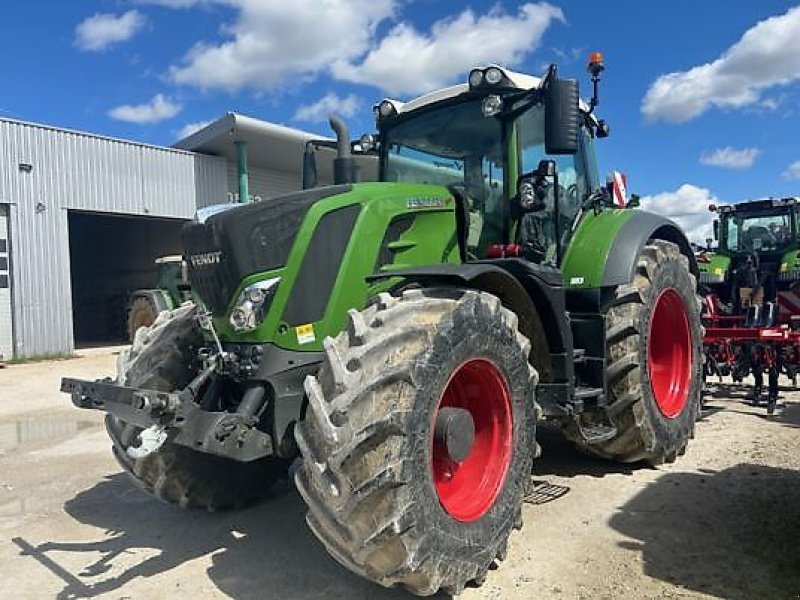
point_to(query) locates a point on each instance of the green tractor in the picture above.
(393, 345)
(171, 290)
(757, 252)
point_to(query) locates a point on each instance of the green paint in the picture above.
(425, 242)
(718, 264)
(585, 260)
(790, 261)
(241, 167)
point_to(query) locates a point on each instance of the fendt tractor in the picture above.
(751, 284)
(397, 342)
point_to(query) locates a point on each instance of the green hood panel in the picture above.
(397, 226)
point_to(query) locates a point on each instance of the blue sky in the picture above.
(702, 97)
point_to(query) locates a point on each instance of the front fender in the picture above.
(534, 293)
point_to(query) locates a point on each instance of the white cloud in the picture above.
(104, 29)
(330, 103)
(276, 43)
(159, 108)
(265, 51)
(793, 171)
(191, 128)
(688, 206)
(730, 158)
(407, 61)
(768, 54)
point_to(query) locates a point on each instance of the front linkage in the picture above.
(186, 416)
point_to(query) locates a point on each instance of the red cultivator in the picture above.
(751, 283)
(763, 340)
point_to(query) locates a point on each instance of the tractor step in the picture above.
(584, 394)
(579, 356)
(596, 433)
(559, 400)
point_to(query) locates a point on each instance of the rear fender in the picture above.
(605, 248)
(633, 236)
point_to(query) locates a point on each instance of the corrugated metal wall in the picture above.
(263, 183)
(44, 172)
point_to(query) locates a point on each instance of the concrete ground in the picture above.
(723, 521)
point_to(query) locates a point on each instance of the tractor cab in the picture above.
(515, 150)
(757, 251)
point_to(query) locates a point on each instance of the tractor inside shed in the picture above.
(110, 256)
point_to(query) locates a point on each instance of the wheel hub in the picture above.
(472, 439)
(455, 431)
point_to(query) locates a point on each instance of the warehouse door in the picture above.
(110, 257)
(6, 348)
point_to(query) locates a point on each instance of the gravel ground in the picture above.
(723, 521)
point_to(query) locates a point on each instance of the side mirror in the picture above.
(716, 230)
(561, 116)
(532, 187)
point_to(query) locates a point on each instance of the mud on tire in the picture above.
(651, 427)
(160, 359)
(373, 493)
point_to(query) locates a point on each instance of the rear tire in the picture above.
(161, 359)
(655, 348)
(386, 500)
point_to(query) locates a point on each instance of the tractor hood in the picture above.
(252, 238)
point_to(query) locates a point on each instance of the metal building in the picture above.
(83, 218)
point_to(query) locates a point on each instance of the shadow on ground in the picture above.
(718, 394)
(732, 534)
(263, 552)
(560, 457)
(266, 551)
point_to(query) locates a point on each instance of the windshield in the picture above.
(454, 145)
(756, 232)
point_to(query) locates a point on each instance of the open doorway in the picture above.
(110, 256)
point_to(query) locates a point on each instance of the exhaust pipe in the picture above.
(344, 167)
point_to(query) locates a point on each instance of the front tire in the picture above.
(160, 359)
(654, 342)
(384, 493)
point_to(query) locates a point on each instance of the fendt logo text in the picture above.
(204, 260)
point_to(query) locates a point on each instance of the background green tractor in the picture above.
(171, 290)
(757, 251)
(400, 340)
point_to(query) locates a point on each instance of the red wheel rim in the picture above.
(669, 353)
(468, 489)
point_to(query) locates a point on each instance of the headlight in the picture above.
(255, 294)
(493, 76)
(386, 109)
(475, 77)
(252, 304)
(491, 105)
